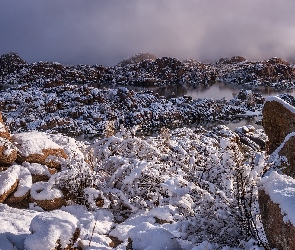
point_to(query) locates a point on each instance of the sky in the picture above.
(108, 31)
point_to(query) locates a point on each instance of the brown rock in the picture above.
(49, 205)
(8, 192)
(72, 242)
(278, 121)
(8, 152)
(4, 133)
(288, 152)
(37, 147)
(280, 235)
(42, 158)
(18, 202)
(45, 197)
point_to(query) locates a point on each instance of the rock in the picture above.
(39, 172)
(53, 230)
(278, 121)
(4, 133)
(8, 152)
(280, 235)
(4, 194)
(47, 197)
(37, 147)
(234, 59)
(251, 137)
(287, 150)
(18, 202)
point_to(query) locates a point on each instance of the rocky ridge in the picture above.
(146, 69)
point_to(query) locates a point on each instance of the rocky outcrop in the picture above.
(275, 200)
(274, 73)
(145, 69)
(76, 110)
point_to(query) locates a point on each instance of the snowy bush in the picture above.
(206, 175)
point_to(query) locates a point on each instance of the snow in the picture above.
(175, 191)
(15, 224)
(49, 227)
(33, 142)
(2, 127)
(12, 175)
(36, 168)
(149, 237)
(281, 190)
(8, 146)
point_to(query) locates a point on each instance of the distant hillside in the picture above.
(145, 69)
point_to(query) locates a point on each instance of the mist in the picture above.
(106, 32)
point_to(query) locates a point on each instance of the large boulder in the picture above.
(276, 202)
(278, 119)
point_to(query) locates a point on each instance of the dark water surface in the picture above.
(214, 91)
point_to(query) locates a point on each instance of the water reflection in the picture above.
(215, 91)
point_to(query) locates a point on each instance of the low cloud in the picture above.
(106, 32)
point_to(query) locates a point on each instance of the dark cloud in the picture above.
(107, 31)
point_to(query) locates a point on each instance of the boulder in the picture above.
(8, 152)
(4, 133)
(16, 180)
(251, 137)
(47, 197)
(39, 172)
(53, 230)
(278, 121)
(276, 201)
(37, 147)
(280, 234)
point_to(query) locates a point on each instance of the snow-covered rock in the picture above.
(8, 152)
(15, 178)
(50, 230)
(37, 147)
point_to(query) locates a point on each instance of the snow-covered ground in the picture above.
(183, 189)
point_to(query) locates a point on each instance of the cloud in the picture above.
(105, 32)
